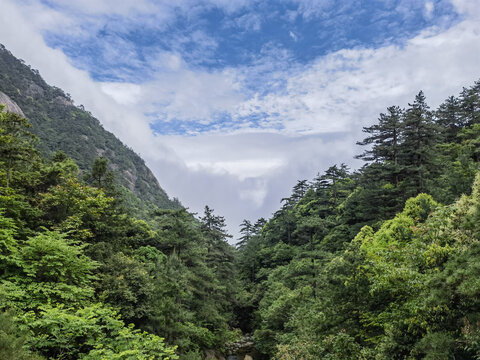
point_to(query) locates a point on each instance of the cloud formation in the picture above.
(237, 136)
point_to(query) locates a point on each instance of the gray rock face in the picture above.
(63, 101)
(34, 91)
(11, 106)
(242, 349)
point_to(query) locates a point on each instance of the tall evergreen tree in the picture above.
(420, 135)
(247, 231)
(450, 119)
(299, 191)
(385, 138)
(470, 104)
(332, 187)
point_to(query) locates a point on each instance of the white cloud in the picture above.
(348, 88)
(249, 22)
(187, 94)
(161, 10)
(242, 169)
(246, 175)
(123, 93)
(429, 8)
(311, 8)
(312, 114)
(123, 7)
(469, 8)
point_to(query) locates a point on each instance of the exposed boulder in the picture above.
(61, 100)
(34, 90)
(242, 349)
(11, 105)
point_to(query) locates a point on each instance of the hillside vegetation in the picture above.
(76, 267)
(380, 263)
(60, 125)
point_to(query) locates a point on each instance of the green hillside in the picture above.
(80, 278)
(382, 262)
(60, 125)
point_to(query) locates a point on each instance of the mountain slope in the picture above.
(61, 125)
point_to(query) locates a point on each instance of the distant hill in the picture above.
(61, 125)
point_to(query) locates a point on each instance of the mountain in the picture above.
(61, 125)
(104, 283)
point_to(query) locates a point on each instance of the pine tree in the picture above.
(385, 138)
(331, 187)
(420, 135)
(299, 191)
(450, 119)
(470, 104)
(247, 231)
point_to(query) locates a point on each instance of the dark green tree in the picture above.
(16, 142)
(247, 231)
(385, 138)
(450, 119)
(99, 170)
(470, 104)
(420, 135)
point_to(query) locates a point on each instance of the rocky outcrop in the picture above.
(242, 349)
(11, 105)
(35, 91)
(61, 100)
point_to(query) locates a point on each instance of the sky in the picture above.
(230, 102)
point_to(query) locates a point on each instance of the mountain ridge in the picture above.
(61, 125)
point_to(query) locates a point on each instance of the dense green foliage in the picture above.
(62, 126)
(76, 268)
(366, 265)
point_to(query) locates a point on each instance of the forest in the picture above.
(382, 262)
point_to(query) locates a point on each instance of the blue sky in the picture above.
(257, 36)
(231, 102)
(211, 37)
